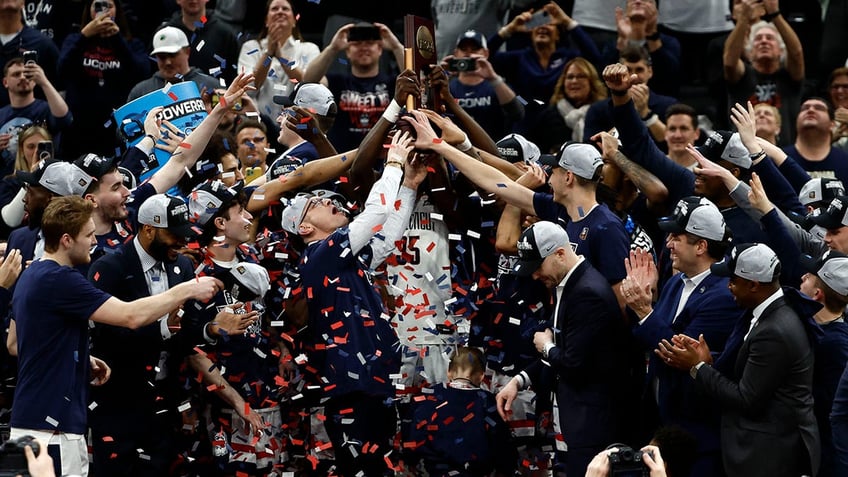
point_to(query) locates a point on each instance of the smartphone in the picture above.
(462, 64)
(363, 33)
(44, 150)
(100, 6)
(30, 56)
(252, 173)
(542, 17)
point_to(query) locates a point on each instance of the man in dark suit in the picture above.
(584, 352)
(768, 424)
(693, 302)
(135, 420)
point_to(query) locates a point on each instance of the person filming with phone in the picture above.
(478, 89)
(20, 77)
(533, 72)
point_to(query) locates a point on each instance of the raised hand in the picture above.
(637, 287)
(618, 78)
(744, 120)
(757, 196)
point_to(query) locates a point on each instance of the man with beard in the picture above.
(50, 179)
(137, 409)
(116, 207)
(363, 93)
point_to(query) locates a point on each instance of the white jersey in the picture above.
(420, 277)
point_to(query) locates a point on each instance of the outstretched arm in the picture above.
(190, 150)
(310, 174)
(486, 177)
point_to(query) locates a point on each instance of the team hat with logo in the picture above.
(697, 216)
(820, 189)
(166, 212)
(207, 199)
(59, 177)
(751, 261)
(537, 242)
(515, 148)
(726, 145)
(831, 268)
(580, 158)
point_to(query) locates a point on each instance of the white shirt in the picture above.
(157, 281)
(277, 82)
(689, 285)
(759, 309)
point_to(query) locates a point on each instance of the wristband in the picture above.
(152, 138)
(653, 36)
(648, 116)
(397, 163)
(654, 119)
(392, 112)
(768, 17)
(464, 145)
(759, 155)
(616, 92)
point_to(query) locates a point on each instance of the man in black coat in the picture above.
(768, 424)
(583, 349)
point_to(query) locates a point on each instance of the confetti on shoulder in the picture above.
(501, 185)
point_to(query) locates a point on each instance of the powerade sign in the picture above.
(182, 107)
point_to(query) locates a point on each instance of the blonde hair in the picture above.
(21, 163)
(597, 90)
(774, 111)
(469, 359)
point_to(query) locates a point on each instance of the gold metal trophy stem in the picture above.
(407, 64)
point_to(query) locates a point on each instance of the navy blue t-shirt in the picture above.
(599, 236)
(361, 102)
(834, 165)
(15, 120)
(52, 305)
(355, 348)
(481, 102)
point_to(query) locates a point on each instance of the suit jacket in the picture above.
(768, 425)
(132, 354)
(711, 311)
(587, 359)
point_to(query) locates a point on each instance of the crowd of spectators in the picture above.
(617, 244)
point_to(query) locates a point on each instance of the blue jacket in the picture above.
(711, 311)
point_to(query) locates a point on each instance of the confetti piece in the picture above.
(253, 52)
(200, 45)
(173, 96)
(437, 140)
